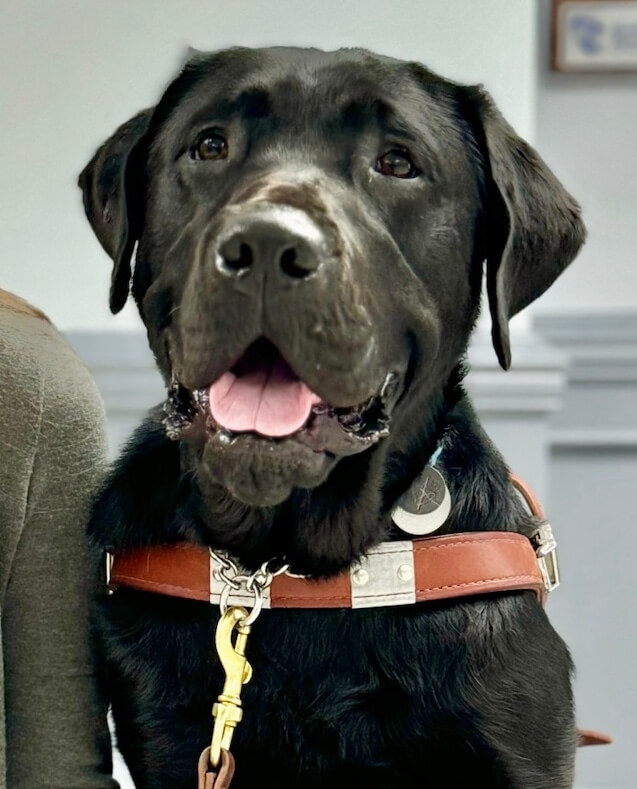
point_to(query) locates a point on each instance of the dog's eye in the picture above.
(397, 164)
(210, 145)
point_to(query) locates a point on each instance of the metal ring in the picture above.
(294, 575)
(224, 560)
(254, 611)
(266, 569)
(228, 572)
(234, 582)
(223, 599)
(261, 578)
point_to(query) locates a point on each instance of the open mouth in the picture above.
(262, 398)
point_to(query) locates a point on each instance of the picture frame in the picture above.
(594, 36)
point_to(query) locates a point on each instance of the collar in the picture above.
(393, 573)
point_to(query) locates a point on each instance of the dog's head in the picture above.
(311, 229)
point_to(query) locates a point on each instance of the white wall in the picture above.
(72, 70)
(587, 132)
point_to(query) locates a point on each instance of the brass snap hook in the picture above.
(227, 711)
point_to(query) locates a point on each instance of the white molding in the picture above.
(602, 346)
(594, 439)
(533, 385)
(600, 404)
(591, 327)
(112, 349)
(123, 367)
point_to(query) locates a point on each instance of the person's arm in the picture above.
(56, 732)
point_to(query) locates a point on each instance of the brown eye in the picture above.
(210, 145)
(397, 164)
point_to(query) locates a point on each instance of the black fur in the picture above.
(443, 696)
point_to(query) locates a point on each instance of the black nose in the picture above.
(289, 244)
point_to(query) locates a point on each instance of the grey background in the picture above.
(565, 416)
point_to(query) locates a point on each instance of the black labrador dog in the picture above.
(311, 230)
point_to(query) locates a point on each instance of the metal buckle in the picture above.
(109, 558)
(545, 546)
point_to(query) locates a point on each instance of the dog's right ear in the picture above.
(110, 184)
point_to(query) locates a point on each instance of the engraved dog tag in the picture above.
(425, 506)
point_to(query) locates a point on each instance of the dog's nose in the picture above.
(286, 242)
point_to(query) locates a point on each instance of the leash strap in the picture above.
(209, 778)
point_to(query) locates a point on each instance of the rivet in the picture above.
(360, 577)
(405, 572)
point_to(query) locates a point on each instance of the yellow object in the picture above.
(227, 711)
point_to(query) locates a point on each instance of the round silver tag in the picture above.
(425, 506)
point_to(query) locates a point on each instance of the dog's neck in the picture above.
(321, 531)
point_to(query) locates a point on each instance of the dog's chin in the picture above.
(260, 472)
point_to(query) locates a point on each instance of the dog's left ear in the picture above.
(534, 226)
(111, 191)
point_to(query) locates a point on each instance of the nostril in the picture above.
(235, 256)
(245, 258)
(290, 264)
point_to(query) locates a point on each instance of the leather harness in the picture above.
(399, 572)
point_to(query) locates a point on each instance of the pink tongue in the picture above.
(270, 400)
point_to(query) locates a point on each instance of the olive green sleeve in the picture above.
(52, 450)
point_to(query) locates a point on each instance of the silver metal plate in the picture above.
(385, 576)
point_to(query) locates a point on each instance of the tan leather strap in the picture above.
(588, 737)
(528, 495)
(208, 778)
(394, 573)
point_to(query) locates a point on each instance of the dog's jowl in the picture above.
(304, 234)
